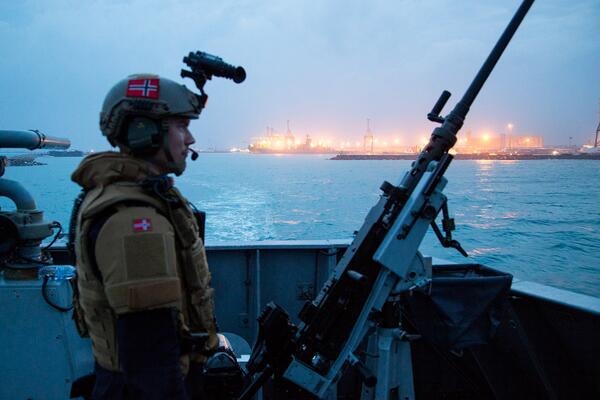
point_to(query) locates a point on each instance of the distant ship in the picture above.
(66, 153)
(587, 149)
(287, 144)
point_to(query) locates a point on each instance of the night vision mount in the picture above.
(204, 66)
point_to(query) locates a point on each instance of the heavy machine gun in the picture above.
(381, 264)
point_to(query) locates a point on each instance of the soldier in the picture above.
(143, 280)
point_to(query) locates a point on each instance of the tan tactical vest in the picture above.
(192, 277)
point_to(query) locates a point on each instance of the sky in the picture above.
(326, 66)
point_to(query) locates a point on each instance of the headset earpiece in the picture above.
(143, 135)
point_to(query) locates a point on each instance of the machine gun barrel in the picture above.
(443, 138)
(484, 72)
(31, 140)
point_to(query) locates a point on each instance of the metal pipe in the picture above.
(31, 140)
(18, 194)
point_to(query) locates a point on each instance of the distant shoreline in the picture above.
(500, 157)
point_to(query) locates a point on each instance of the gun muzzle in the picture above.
(213, 65)
(31, 140)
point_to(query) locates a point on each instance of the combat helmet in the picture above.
(134, 111)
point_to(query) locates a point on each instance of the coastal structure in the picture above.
(488, 142)
(371, 144)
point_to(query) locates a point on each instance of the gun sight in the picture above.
(209, 65)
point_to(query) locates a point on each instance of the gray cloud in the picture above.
(326, 66)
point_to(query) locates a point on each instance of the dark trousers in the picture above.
(111, 385)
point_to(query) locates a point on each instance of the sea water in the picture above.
(539, 220)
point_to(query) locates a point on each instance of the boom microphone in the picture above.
(194, 154)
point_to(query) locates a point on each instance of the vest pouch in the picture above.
(200, 306)
(200, 293)
(195, 270)
(186, 227)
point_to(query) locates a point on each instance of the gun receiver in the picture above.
(383, 259)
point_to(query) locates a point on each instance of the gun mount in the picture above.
(23, 230)
(381, 265)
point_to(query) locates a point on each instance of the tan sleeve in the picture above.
(135, 252)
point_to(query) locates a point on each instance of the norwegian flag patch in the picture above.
(142, 225)
(147, 88)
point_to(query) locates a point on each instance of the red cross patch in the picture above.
(142, 225)
(147, 88)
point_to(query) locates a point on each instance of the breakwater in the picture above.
(471, 157)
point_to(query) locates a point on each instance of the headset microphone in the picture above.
(194, 154)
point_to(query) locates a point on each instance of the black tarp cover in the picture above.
(464, 308)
